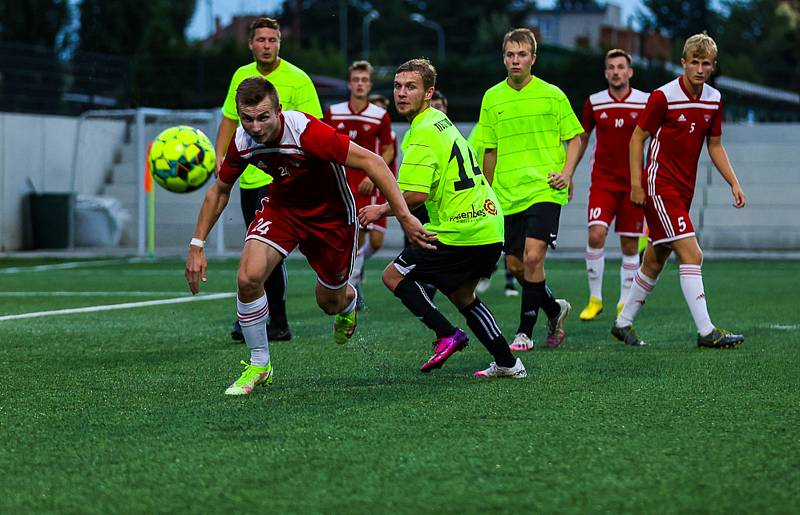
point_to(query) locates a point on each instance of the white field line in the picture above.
(784, 327)
(71, 264)
(110, 307)
(92, 293)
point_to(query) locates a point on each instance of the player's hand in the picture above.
(195, 268)
(417, 234)
(369, 214)
(637, 196)
(739, 200)
(366, 187)
(558, 181)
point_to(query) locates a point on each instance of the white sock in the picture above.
(350, 307)
(630, 264)
(253, 319)
(642, 287)
(358, 268)
(692, 286)
(595, 265)
(367, 250)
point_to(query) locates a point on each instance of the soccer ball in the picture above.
(182, 159)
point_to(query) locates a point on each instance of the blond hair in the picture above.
(522, 37)
(359, 66)
(700, 45)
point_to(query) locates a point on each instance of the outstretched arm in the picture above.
(226, 130)
(214, 203)
(376, 169)
(720, 159)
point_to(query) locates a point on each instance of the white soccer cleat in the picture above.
(516, 372)
(483, 284)
(521, 343)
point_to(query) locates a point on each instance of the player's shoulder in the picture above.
(638, 96)
(296, 122)
(710, 94)
(495, 92)
(245, 72)
(540, 87)
(601, 97)
(293, 73)
(243, 141)
(374, 111)
(339, 108)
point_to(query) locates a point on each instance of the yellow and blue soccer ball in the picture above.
(182, 159)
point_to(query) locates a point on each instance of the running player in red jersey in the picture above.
(612, 113)
(369, 126)
(310, 207)
(680, 116)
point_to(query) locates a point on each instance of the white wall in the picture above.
(39, 150)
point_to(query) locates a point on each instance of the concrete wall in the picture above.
(37, 152)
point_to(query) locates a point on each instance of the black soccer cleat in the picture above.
(278, 334)
(720, 339)
(627, 335)
(236, 332)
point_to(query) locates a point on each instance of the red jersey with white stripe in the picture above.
(306, 164)
(369, 128)
(678, 124)
(614, 119)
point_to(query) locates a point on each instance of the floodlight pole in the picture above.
(417, 17)
(368, 19)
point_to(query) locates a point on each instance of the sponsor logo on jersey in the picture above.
(340, 126)
(466, 216)
(706, 117)
(603, 116)
(366, 127)
(681, 118)
(490, 207)
(634, 115)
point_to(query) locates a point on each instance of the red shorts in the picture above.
(668, 218)
(330, 245)
(605, 206)
(366, 200)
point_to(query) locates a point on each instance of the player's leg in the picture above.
(358, 267)
(257, 262)
(276, 284)
(514, 248)
(629, 227)
(510, 284)
(595, 268)
(690, 257)
(404, 277)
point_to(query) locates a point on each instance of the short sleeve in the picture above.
(654, 112)
(233, 165)
(568, 124)
(229, 107)
(322, 141)
(419, 168)
(587, 116)
(487, 122)
(326, 116)
(716, 124)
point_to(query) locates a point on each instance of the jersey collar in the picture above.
(526, 86)
(623, 99)
(686, 90)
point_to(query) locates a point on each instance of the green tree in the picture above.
(679, 18)
(36, 22)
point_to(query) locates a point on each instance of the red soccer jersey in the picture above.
(678, 125)
(306, 164)
(370, 128)
(614, 120)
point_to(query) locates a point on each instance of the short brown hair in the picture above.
(421, 66)
(618, 52)
(522, 36)
(264, 23)
(438, 95)
(700, 45)
(359, 66)
(380, 100)
(254, 90)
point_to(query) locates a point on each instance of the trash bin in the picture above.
(52, 216)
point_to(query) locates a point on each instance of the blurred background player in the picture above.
(368, 125)
(680, 116)
(297, 93)
(524, 124)
(612, 113)
(439, 169)
(310, 209)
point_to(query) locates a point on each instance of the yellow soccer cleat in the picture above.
(594, 308)
(251, 377)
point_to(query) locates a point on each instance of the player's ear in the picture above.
(429, 93)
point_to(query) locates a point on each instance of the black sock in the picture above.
(430, 290)
(529, 308)
(412, 294)
(275, 286)
(484, 326)
(548, 302)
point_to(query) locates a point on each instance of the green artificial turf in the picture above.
(123, 411)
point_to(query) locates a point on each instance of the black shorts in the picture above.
(448, 267)
(539, 221)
